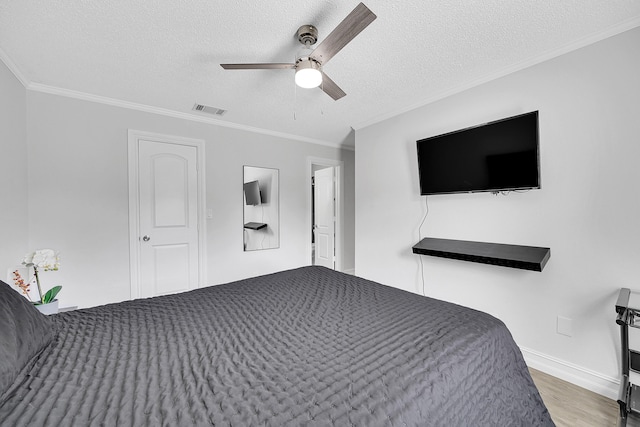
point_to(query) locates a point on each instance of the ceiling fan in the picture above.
(309, 63)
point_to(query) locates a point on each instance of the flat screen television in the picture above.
(502, 155)
(252, 193)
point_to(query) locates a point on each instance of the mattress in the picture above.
(308, 346)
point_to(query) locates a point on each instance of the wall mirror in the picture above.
(261, 208)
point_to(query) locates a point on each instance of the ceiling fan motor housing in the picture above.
(307, 35)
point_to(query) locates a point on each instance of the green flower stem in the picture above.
(35, 272)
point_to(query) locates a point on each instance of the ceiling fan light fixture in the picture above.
(309, 62)
(308, 73)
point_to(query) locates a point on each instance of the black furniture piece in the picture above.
(255, 225)
(514, 256)
(628, 309)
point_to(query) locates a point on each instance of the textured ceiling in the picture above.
(166, 54)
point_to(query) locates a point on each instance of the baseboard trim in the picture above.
(585, 378)
(351, 271)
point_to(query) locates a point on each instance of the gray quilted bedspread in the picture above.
(308, 347)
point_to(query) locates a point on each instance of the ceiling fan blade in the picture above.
(267, 66)
(329, 87)
(347, 30)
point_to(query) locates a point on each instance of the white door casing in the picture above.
(324, 214)
(166, 214)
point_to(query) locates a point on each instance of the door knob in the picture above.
(146, 238)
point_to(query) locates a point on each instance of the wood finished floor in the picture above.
(572, 406)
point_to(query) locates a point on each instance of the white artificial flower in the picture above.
(28, 258)
(45, 259)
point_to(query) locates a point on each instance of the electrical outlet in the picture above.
(565, 326)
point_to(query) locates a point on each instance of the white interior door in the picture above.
(324, 215)
(168, 218)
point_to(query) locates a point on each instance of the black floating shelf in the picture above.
(255, 225)
(514, 256)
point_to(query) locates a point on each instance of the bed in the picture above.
(308, 346)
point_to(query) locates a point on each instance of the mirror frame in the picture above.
(261, 222)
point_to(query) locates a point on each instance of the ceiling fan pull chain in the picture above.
(295, 100)
(321, 105)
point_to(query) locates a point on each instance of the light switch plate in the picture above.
(565, 326)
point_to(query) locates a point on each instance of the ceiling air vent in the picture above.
(209, 110)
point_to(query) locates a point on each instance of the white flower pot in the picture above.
(50, 308)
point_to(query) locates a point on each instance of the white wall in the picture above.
(14, 167)
(78, 202)
(587, 212)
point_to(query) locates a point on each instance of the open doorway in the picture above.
(325, 212)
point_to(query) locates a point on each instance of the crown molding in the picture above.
(554, 53)
(582, 42)
(13, 68)
(53, 90)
